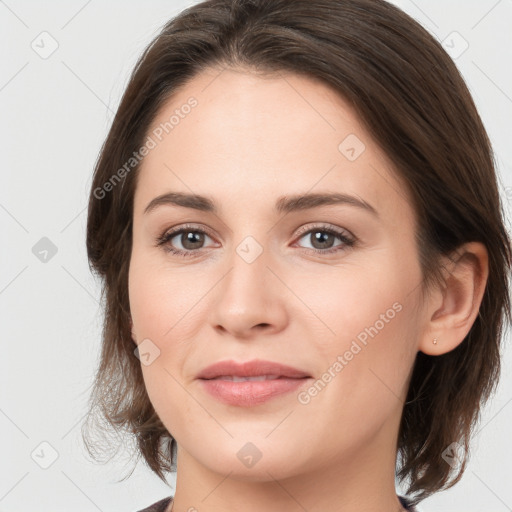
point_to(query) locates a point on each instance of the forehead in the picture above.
(249, 136)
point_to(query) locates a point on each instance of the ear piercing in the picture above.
(435, 341)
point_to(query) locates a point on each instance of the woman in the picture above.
(296, 219)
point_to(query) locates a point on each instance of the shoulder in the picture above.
(159, 506)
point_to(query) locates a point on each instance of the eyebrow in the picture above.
(284, 204)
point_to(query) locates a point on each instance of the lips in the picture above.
(256, 369)
(251, 383)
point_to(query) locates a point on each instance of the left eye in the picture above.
(323, 237)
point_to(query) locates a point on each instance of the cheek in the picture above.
(353, 303)
(160, 299)
(159, 308)
(367, 345)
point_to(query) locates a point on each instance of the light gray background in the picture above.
(55, 113)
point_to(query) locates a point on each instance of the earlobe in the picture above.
(454, 307)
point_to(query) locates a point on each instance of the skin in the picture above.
(249, 141)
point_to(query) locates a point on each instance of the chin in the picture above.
(254, 461)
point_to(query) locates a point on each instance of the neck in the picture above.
(360, 481)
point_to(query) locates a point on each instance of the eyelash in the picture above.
(166, 236)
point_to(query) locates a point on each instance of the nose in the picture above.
(250, 298)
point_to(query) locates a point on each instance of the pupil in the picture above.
(190, 236)
(322, 237)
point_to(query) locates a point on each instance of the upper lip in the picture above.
(252, 368)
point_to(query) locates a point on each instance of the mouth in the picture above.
(251, 383)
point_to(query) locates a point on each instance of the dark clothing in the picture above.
(159, 506)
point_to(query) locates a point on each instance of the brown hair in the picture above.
(412, 100)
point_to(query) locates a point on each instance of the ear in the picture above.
(453, 307)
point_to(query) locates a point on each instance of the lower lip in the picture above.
(250, 393)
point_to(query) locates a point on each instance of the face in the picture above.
(330, 288)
